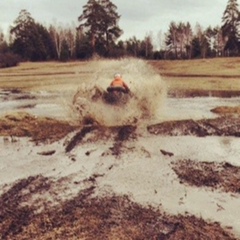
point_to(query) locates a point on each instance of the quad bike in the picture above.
(116, 96)
(90, 103)
(84, 100)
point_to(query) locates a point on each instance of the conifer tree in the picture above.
(30, 39)
(99, 21)
(230, 27)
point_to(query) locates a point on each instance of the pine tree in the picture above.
(30, 40)
(21, 32)
(230, 26)
(99, 21)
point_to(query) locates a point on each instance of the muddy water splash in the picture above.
(146, 86)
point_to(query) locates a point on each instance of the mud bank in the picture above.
(192, 93)
(39, 129)
(224, 126)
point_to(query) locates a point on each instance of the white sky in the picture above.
(138, 17)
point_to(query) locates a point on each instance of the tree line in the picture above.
(98, 33)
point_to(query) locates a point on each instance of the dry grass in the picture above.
(39, 129)
(210, 74)
(215, 67)
(45, 76)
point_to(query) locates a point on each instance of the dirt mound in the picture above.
(88, 217)
(225, 126)
(216, 175)
(224, 110)
(39, 129)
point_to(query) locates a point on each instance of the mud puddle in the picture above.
(45, 104)
(195, 108)
(56, 105)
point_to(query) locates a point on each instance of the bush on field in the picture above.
(8, 60)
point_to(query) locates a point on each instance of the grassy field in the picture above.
(206, 74)
(44, 76)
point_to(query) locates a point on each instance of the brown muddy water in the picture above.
(178, 105)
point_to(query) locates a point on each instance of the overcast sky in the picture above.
(138, 17)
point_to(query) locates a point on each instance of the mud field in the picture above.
(157, 177)
(25, 214)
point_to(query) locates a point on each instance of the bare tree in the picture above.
(160, 41)
(220, 42)
(171, 39)
(179, 39)
(70, 36)
(58, 35)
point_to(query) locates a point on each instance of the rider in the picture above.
(118, 84)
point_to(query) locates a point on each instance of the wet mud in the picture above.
(64, 207)
(191, 93)
(118, 134)
(222, 126)
(223, 176)
(89, 217)
(39, 129)
(15, 94)
(24, 215)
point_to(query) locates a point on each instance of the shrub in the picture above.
(8, 60)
